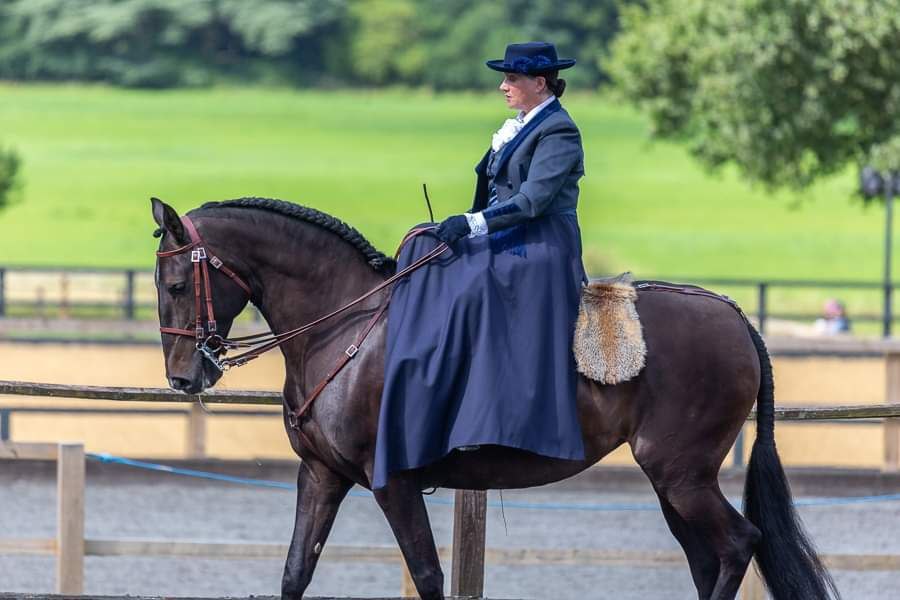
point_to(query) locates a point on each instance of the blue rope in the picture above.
(118, 460)
(609, 507)
(847, 500)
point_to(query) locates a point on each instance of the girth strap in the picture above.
(688, 290)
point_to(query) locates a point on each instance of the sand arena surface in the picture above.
(124, 503)
(814, 381)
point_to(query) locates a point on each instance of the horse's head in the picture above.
(199, 298)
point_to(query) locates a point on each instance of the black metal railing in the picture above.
(130, 304)
(122, 299)
(763, 289)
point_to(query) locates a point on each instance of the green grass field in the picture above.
(94, 155)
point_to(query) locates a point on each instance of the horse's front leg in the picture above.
(319, 495)
(403, 505)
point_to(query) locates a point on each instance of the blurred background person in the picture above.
(834, 318)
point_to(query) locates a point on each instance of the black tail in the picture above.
(785, 556)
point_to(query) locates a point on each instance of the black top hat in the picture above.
(530, 58)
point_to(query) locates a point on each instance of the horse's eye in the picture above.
(176, 288)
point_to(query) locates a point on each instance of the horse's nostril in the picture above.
(179, 383)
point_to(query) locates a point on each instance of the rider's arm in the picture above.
(557, 152)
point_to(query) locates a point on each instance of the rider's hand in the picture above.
(453, 228)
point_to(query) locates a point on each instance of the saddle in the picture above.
(609, 342)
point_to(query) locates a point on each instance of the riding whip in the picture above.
(428, 202)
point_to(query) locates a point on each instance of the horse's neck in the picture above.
(301, 285)
(304, 292)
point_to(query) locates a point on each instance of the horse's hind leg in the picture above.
(703, 563)
(716, 538)
(403, 505)
(320, 492)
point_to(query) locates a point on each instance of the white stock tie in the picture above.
(509, 130)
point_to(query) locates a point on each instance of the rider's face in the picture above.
(523, 92)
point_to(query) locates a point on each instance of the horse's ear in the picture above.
(167, 219)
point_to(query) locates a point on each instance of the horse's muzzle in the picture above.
(185, 385)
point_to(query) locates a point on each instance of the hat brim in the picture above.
(504, 67)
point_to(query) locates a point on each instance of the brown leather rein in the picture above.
(209, 342)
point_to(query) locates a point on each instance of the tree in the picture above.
(461, 34)
(9, 182)
(161, 43)
(579, 28)
(787, 90)
(165, 43)
(386, 43)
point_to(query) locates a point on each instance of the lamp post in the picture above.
(872, 185)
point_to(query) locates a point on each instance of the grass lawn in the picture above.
(94, 155)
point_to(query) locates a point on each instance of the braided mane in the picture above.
(376, 259)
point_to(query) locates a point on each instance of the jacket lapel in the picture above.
(511, 146)
(481, 183)
(481, 167)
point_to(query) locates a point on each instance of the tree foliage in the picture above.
(787, 90)
(161, 43)
(443, 43)
(158, 43)
(9, 181)
(884, 157)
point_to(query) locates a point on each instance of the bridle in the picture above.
(205, 333)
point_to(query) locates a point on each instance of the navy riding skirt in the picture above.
(479, 347)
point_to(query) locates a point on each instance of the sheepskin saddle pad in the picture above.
(609, 343)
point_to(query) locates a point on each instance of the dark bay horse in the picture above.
(706, 366)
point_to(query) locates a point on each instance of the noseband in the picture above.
(209, 342)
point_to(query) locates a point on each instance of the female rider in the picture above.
(479, 342)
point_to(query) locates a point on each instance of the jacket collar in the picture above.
(527, 117)
(532, 124)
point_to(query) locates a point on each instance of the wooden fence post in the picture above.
(892, 426)
(196, 432)
(753, 587)
(70, 519)
(469, 521)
